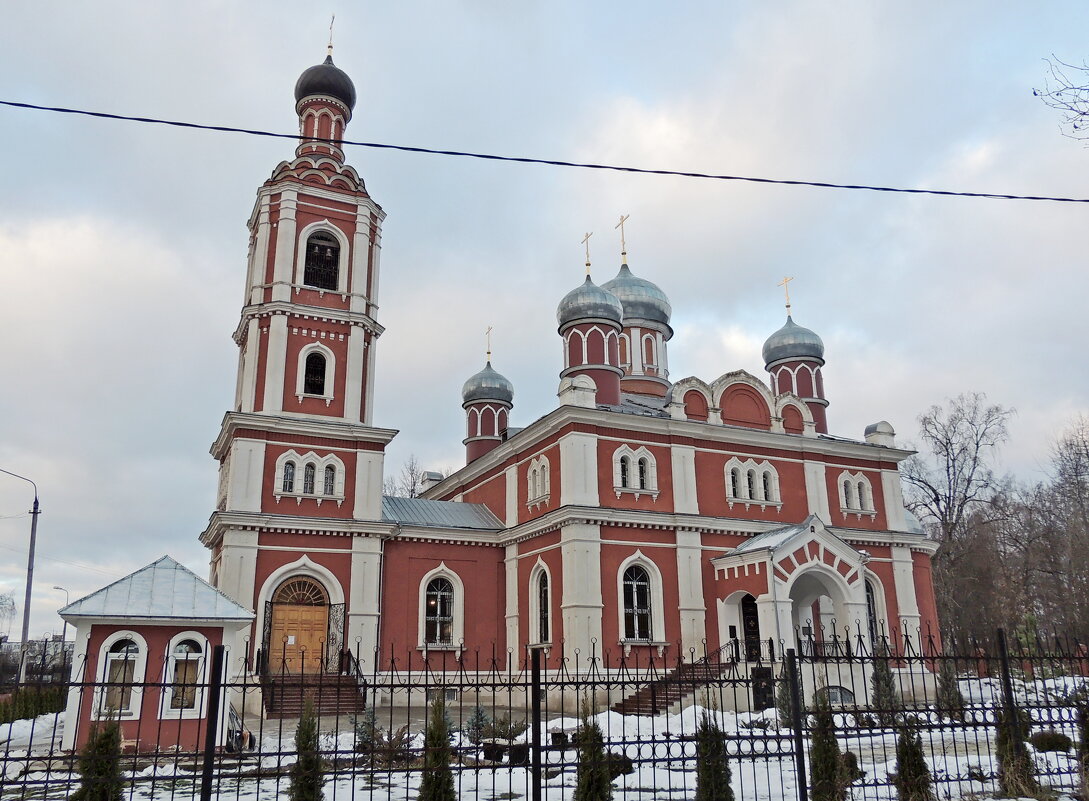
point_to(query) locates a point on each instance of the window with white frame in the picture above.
(322, 477)
(538, 481)
(855, 493)
(322, 265)
(635, 471)
(184, 675)
(123, 657)
(752, 482)
(314, 374)
(316, 370)
(540, 605)
(640, 601)
(441, 609)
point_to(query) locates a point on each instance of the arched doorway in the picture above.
(819, 614)
(300, 627)
(750, 628)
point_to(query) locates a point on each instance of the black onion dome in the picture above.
(326, 79)
(792, 341)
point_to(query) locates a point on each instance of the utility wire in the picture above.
(548, 162)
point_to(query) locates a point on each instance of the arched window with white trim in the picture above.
(442, 622)
(322, 267)
(538, 485)
(314, 374)
(322, 477)
(637, 605)
(122, 660)
(752, 482)
(288, 481)
(329, 485)
(543, 608)
(635, 471)
(309, 476)
(855, 494)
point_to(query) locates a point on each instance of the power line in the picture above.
(547, 162)
(63, 561)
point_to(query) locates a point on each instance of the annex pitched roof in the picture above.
(164, 590)
(438, 514)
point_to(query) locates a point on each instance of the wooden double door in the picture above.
(300, 627)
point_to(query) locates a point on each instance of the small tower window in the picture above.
(322, 268)
(330, 480)
(542, 607)
(735, 483)
(751, 484)
(766, 481)
(289, 477)
(625, 471)
(642, 474)
(309, 473)
(314, 378)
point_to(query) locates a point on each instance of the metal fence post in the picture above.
(1008, 701)
(798, 722)
(535, 737)
(215, 690)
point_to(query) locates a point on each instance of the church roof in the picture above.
(162, 590)
(770, 540)
(438, 514)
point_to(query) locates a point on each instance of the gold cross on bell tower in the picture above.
(785, 284)
(623, 243)
(329, 50)
(586, 241)
(488, 337)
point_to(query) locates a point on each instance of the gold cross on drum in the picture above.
(488, 334)
(586, 241)
(785, 284)
(620, 225)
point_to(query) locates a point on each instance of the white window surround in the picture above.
(539, 569)
(330, 372)
(320, 463)
(759, 497)
(870, 578)
(198, 710)
(607, 337)
(322, 226)
(633, 457)
(855, 494)
(136, 694)
(538, 482)
(657, 603)
(624, 346)
(458, 636)
(652, 361)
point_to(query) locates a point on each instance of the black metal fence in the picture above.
(515, 732)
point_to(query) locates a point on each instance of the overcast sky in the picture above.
(122, 246)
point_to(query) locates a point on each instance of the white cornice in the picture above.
(220, 522)
(692, 429)
(311, 427)
(322, 314)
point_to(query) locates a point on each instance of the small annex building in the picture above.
(142, 656)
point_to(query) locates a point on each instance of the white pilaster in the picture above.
(893, 493)
(275, 363)
(816, 490)
(693, 610)
(353, 375)
(368, 393)
(581, 605)
(238, 566)
(246, 475)
(364, 603)
(510, 562)
(683, 460)
(636, 350)
(511, 496)
(360, 252)
(283, 270)
(368, 485)
(259, 256)
(578, 470)
(903, 575)
(77, 687)
(247, 390)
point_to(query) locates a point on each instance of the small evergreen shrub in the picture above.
(619, 765)
(825, 771)
(367, 734)
(593, 782)
(1016, 778)
(307, 774)
(712, 766)
(503, 728)
(884, 695)
(784, 702)
(437, 781)
(1051, 741)
(477, 725)
(849, 771)
(950, 699)
(99, 765)
(912, 780)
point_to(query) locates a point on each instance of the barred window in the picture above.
(314, 374)
(439, 612)
(637, 607)
(330, 480)
(289, 477)
(309, 474)
(542, 607)
(322, 268)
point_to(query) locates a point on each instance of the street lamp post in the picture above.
(24, 644)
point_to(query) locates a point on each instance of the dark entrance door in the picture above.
(763, 689)
(750, 628)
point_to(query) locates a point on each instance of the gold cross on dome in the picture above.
(620, 225)
(331, 21)
(488, 335)
(785, 284)
(586, 241)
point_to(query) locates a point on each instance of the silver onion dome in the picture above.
(589, 301)
(642, 299)
(487, 385)
(792, 341)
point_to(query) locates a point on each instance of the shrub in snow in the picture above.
(712, 767)
(307, 773)
(30, 701)
(884, 696)
(784, 701)
(824, 759)
(950, 698)
(99, 764)
(367, 733)
(1015, 770)
(477, 725)
(503, 728)
(437, 782)
(1051, 741)
(912, 779)
(594, 782)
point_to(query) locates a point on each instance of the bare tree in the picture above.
(1066, 89)
(7, 610)
(408, 483)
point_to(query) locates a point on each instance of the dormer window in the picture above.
(322, 269)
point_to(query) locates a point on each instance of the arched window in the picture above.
(439, 612)
(300, 592)
(288, 484)
(735, 483)
(849, 495)
(637, 606)
(856, 494)
(309, 475)
(871, 611)
(766, 485)
(542, 608)
(750, 483)
(625, 471)
(120, 674)
(314, 378)
(185, 672)
(330, 486)
(643, 474)
(322, 268)
(634, 471)
(862, 504)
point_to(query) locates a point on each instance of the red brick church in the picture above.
(643, 515)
